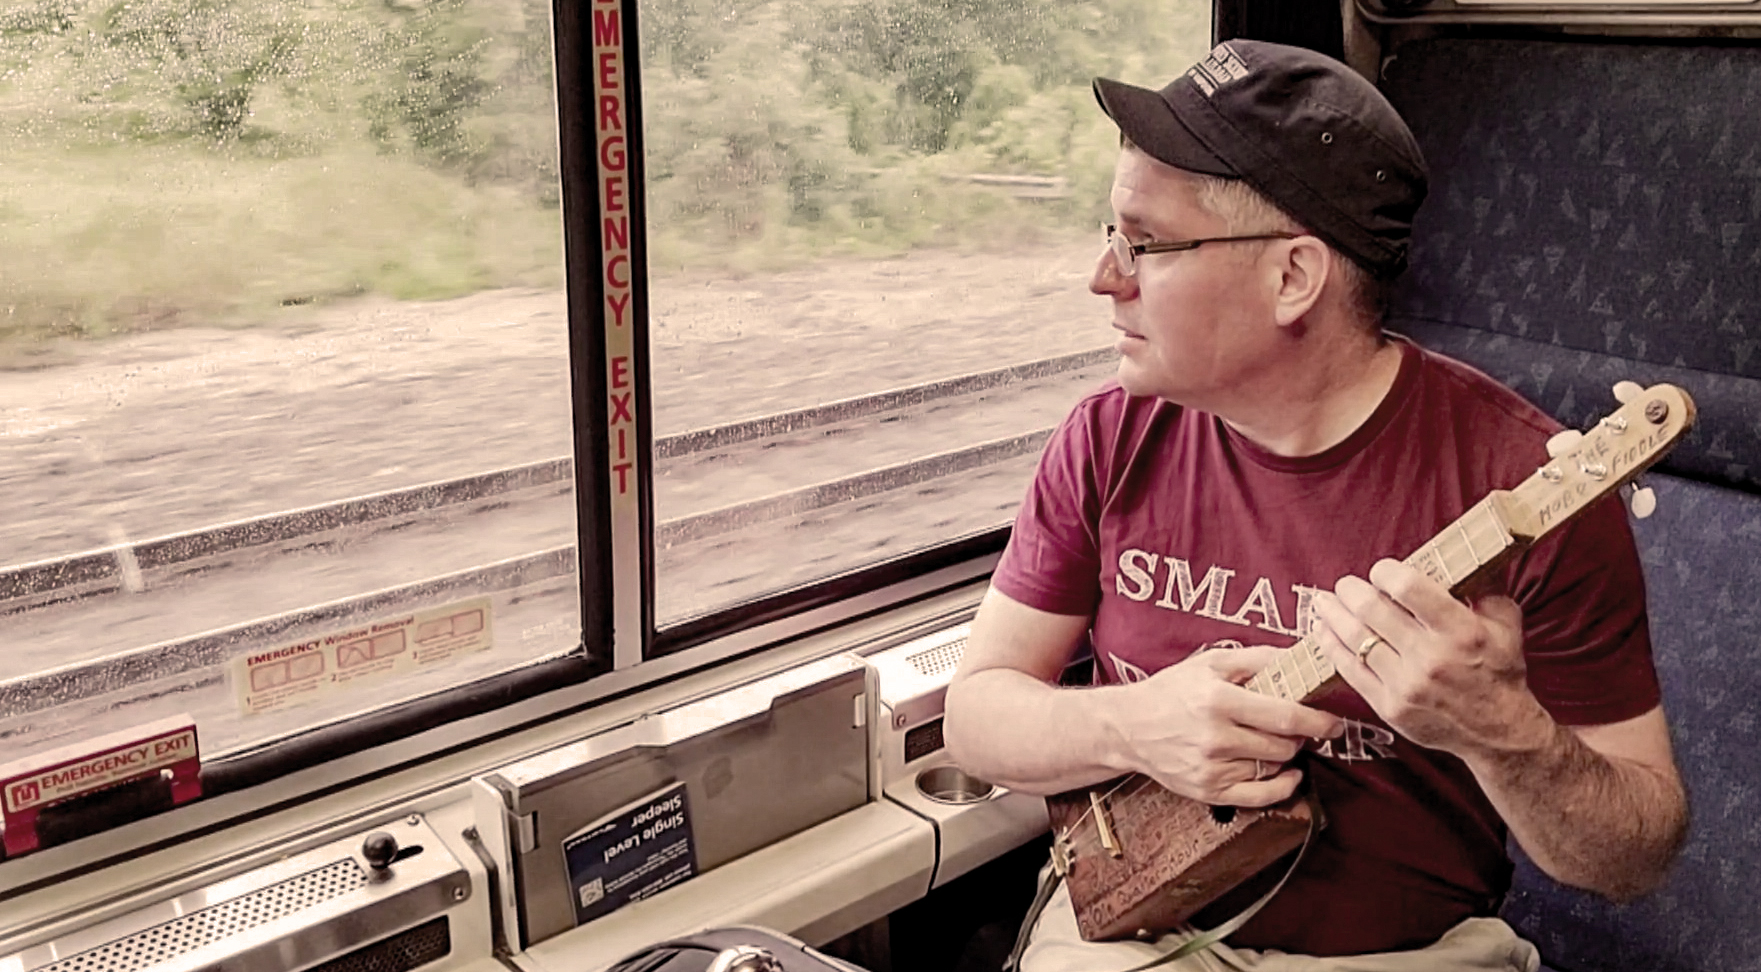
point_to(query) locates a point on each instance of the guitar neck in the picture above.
(1460, 558)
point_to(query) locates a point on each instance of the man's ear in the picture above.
(1306, 266)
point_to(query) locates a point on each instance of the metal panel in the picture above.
(428, 942)
(815, 886)
(281, 917)
(760, 762)
(913, 680)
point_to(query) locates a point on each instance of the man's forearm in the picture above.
(1597, 822)
(1016, 731)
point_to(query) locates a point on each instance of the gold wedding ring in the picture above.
(1368, 645)
(1259, 770)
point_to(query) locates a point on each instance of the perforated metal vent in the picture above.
(400, 953)
(163, 943)
(942, 658)
(923, 740)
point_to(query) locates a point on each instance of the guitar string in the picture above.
(1122, 784)
(1080, 840)
(1480, 518)
(1075, 838)
(1501, 538)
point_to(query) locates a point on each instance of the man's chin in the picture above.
(1135, 382)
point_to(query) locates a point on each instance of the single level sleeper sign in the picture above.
(633, 853)
(317, 667)
(165, 748)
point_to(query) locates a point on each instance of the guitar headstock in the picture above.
(1613, 453)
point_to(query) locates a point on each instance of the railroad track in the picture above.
(120, 567)
(256, 582)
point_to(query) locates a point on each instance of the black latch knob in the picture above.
(380, 849)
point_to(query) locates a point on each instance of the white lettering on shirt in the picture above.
(1142, 577)
(1136, 580)
(1305, 610)
(1180, 575)
(1361, 741)
(1128, 673)
(1263, 602)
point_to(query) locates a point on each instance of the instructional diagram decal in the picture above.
(314, 668)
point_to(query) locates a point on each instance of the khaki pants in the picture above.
(1475, 945)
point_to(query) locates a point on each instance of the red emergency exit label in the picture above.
(167, 747)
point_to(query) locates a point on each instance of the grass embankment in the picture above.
(176, 162)
(111, 239)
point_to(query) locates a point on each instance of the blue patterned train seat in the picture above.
(1595, 216)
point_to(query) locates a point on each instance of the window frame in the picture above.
(594, 336)
(614, 659)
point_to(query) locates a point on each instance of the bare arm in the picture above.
(1007, 721)
(1190, 726)
(1598, 807)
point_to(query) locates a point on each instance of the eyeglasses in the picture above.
(1125, 252)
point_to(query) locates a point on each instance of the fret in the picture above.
(1323, 665)
(1429, 562)
(1299, 671)
(1495, 538)
(1466, 545)
(1292, 675)
(1482, 533)
(1459, 559)
(1305, 656)
(1275, 672)
(1467, 541)
(1471, 542)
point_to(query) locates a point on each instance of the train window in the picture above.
(291, 392)
(870, 225)
(283, 361)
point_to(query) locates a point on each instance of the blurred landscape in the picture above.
(175, 163)
(257, 255)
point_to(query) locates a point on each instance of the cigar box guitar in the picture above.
(1139, 860)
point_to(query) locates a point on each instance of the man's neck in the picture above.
(1320, 399)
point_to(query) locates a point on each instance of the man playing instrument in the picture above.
(1265, 457)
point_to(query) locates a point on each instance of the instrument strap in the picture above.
(1199, 941)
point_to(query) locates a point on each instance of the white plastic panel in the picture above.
(817, 885)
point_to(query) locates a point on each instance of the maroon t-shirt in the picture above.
(1174, 533)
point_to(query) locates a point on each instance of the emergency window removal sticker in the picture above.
(634, 853)
(316, 667)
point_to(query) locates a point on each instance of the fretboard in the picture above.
(1453, 558)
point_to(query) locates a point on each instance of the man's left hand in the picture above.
(1444, 675)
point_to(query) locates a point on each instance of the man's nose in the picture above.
(1107, 281)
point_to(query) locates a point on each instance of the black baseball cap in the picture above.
(1310, 133)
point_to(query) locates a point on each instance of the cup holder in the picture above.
(950, 784)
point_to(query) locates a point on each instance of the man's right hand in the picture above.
(1194, 729)
(1190, 727)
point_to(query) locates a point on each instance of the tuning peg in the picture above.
(1642, 500)
(1626, 391)
(1564, 442)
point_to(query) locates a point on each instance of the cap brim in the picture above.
(1152, 125)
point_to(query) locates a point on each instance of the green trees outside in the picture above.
(780, 130)
(203, 161)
